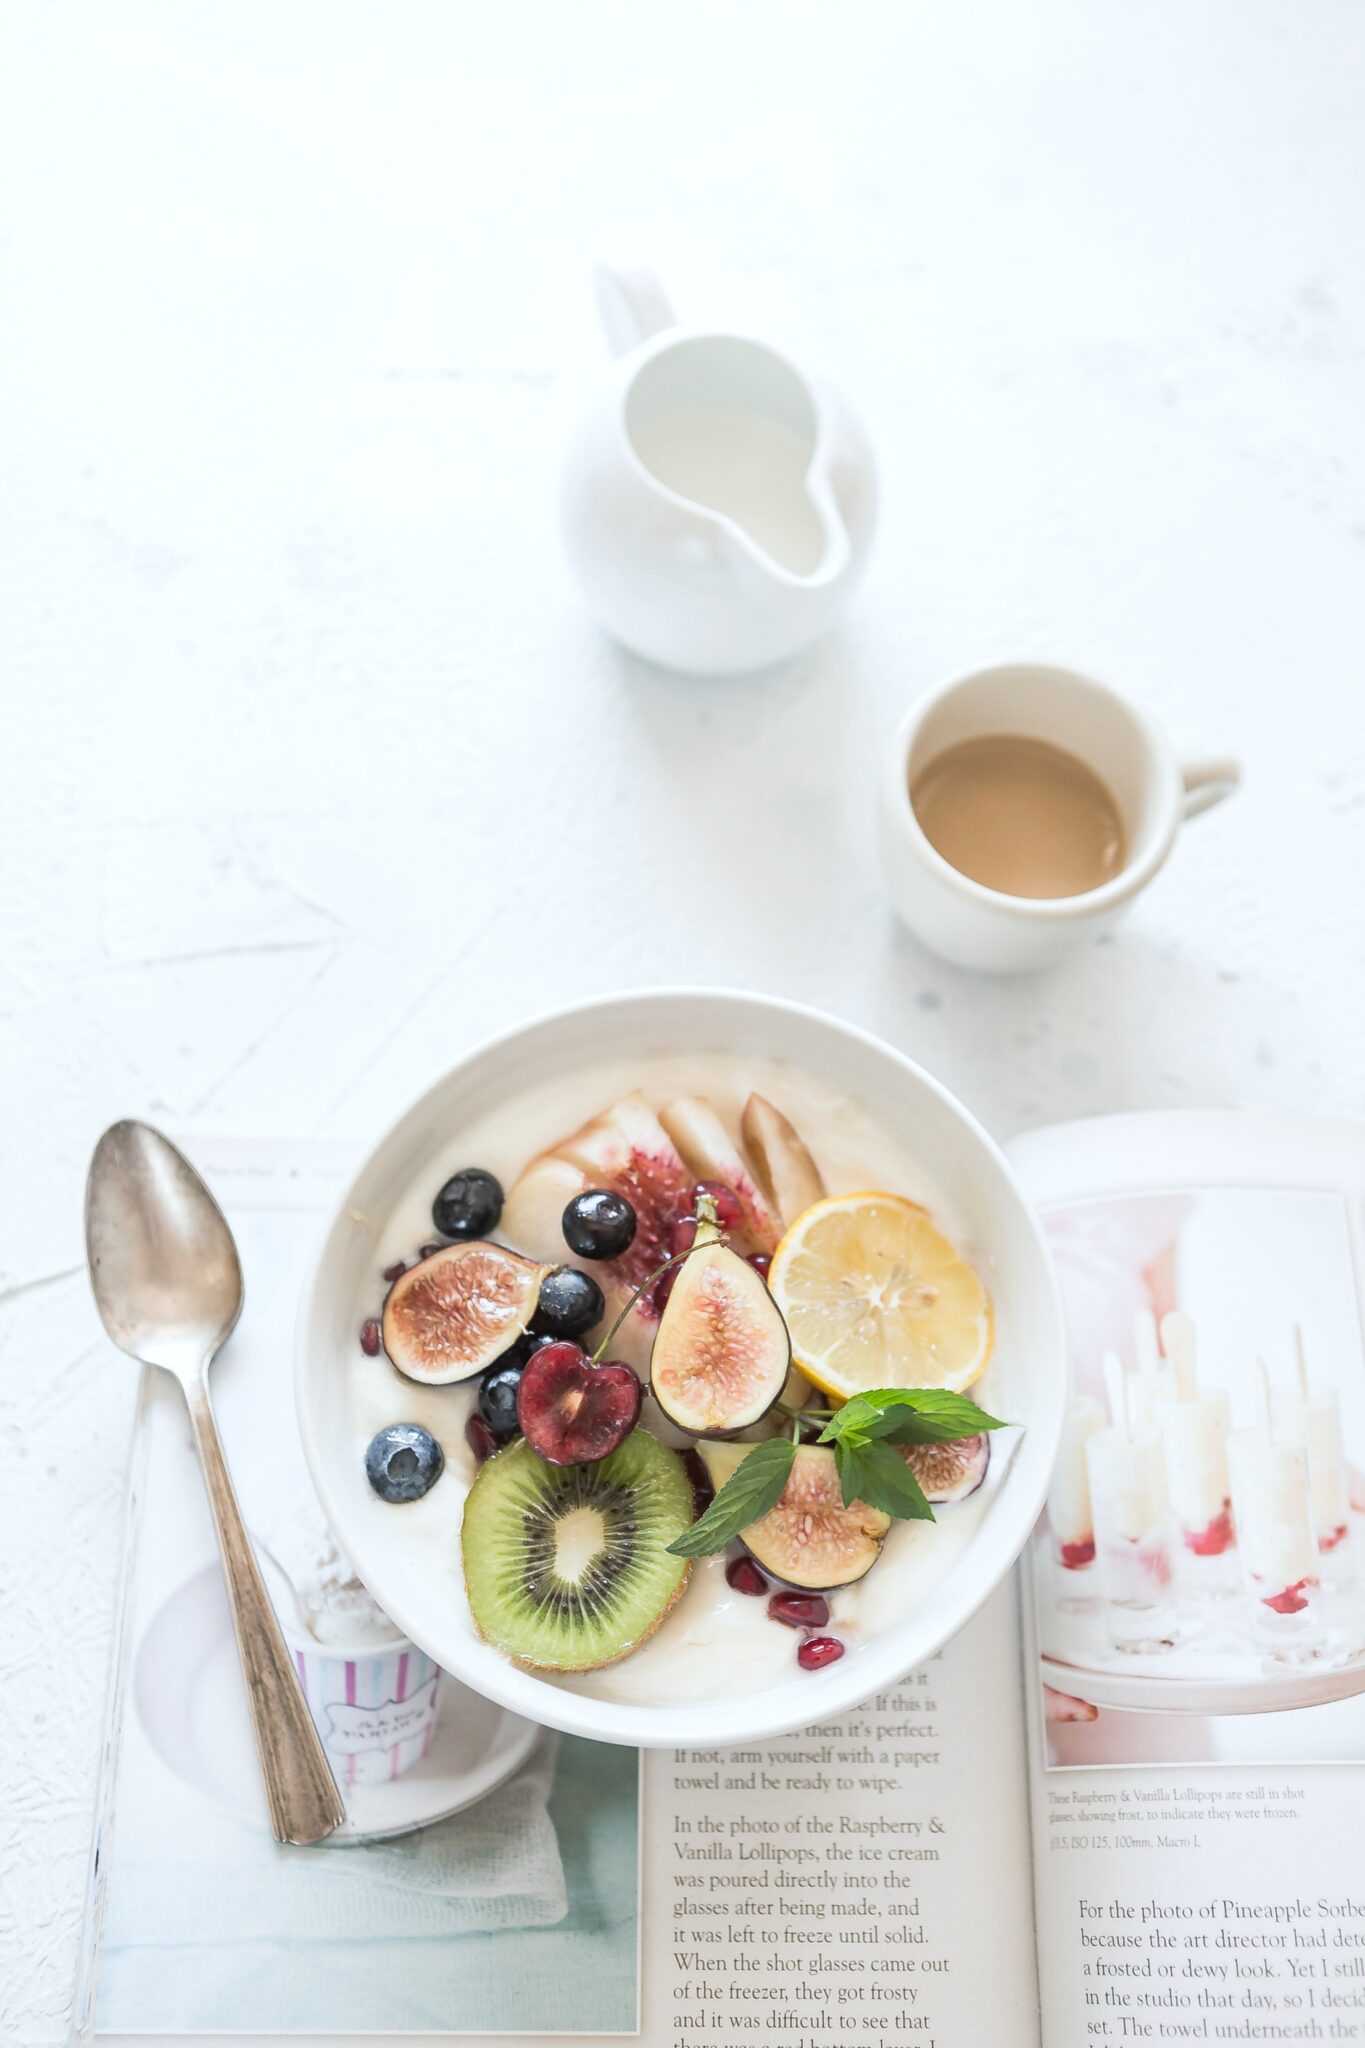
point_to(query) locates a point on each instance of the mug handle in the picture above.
(632, 303)
(1208, 782)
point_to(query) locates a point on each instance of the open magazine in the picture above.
(1127, 1803)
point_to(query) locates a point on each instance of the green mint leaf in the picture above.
(880, 1476)
(938, 1417)
(907, 1415)
(749, 1492)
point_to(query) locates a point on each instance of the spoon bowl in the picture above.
(163, 1265)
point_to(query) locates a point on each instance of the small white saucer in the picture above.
(187, 1684)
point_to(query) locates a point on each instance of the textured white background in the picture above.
(314, 769)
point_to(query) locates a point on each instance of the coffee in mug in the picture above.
(1024, 806)
(1020, 815)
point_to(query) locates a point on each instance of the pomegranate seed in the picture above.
(817, 1651)
(761, 1264)
(744, 1575)
(681, 1235)
(395, 1271)
(703, 1492)
(369, 1338)
(427, 1250)
(800, 1610)
(479, 1436)
(729, 1210)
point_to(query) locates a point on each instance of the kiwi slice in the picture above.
(567, 1566)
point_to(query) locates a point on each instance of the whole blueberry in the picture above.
(403, 1462)
(570, 1303)
(599, 1224)
(469, 1204)
(498, 1396)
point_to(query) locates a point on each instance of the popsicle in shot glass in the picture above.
(1313, 1419)
(1279, 1550)
(1194, 1424)
(1069, 1513)
(1127, 1474)
(1152, 1385)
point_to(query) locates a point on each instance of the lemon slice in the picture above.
(875, 1296)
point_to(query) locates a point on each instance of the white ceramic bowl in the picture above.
(1027, 1380)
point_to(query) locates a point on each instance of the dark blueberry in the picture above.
(498, 1396)
(570, 1303)
(599, 1224)
(469, 1204)
(403, 1462)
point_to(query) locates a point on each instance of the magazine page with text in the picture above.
(1195, 1595)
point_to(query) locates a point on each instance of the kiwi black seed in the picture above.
(567, 1566)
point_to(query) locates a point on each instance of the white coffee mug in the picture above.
(974, 926)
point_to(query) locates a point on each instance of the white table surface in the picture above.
(316, 769)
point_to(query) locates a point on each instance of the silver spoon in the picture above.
(168, 1286)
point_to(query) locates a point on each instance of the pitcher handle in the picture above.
(632, 303)
(1208, 782)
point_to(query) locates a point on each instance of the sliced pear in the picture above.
(721, 1352)
(783, 1166)
(710, 1153)
(627, 1149)
(533, 1213)
(627, 1143)
(810, 1538)
(722, 1461)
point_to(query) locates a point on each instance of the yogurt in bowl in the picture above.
(719, 1668)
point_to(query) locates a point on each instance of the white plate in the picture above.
(188, 1687)
(1274, 1691)
(1028, 1371)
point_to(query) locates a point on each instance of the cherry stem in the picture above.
(803, 1414)
(645, 1285)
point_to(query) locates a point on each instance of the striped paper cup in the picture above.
(375, 1708)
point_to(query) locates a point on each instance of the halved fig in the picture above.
(449, 1316)
(711, 1154)
(783, 1166)
(626, 1149)
(950, 1471)
(721, 1353)
(810, 1538)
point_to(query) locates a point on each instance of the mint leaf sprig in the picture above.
(862, 1433)
(747, 1495)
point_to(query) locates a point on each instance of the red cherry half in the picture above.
(573, 1412)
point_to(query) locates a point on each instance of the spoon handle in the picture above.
(300, 1790)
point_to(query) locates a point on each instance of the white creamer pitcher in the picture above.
(718, 504)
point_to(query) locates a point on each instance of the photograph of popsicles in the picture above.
(1203, 1548)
